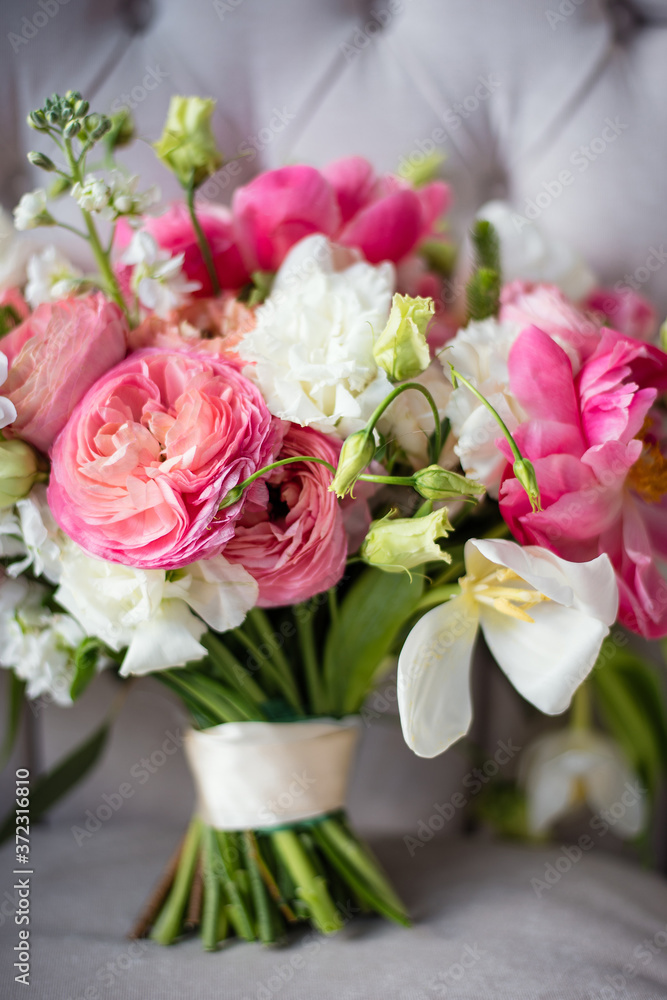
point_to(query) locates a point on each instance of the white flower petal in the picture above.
(546, 659)
(7, 412)
(219, 592)
(434, 677)
(169, 639)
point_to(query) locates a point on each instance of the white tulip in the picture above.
(565, 769)
(543, 618)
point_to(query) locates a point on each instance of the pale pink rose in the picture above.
(173, 231)
(624, 310)
(212, 325)
(13, 298)
(297, 546)
(545, 306)
(599, 449)
(55, 356)
(383, 216)
(278, 209)
(138, 474)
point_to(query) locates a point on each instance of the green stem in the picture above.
(457, 377)
(303, 615)
(310, 887)
(212, 903)
(391, 480)
(267, 666)
(236, 491)
(168, 925)
(101, 258)
(260, 896)
(269, 636)
(438, 595)
(436, 444)
(201, 239)
(231, 670)
(582, 711)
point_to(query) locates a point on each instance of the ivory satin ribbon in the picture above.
(254, 775)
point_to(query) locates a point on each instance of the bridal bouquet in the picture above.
(255, 456)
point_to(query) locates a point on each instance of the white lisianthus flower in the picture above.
(312, 345)
(51, 276)
(32, 211)
(32, 534)
(7, 408)
(528, 254)
(543, 618)
(480, 352)
(409, 419)
(35, 642)
(563, 770)
(151, 611)
(157, 279)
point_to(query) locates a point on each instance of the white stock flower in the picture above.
(409, 419)
(528, 254)
(7, 408)
(543, 618)
(313, 341)
(51, 276)
(32, 534)
(561, 771)
(14, 253)
(31, 210)
(480, 352)
(35, 642)
(114, 195)
(151, 611)
(157, 280)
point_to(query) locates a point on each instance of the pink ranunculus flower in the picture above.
(297, 546)
(529, 304)
(624, 310)
(599, 450)
(55, 356)
(173, 231)
(213, 326)
(138, 474)
(278, 209)
(383, 216)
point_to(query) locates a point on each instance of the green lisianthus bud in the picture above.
(401, 348)
(436, 483)
(398, 544)
(18, 471)
(355, 456)
(121, 131)
(524, 470)
(40, 160)
(231, 497)
(187, 144)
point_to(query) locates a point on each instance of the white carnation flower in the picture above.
(36, 643)
(151, 611)
(157, 279)
(529, 254)
(313, 342)
(51, 276)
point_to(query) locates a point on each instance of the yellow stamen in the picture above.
(492, 590)
(648, 476)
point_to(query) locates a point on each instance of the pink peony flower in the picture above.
(383, 215)
(55, 356)
(297, 546)
(598, 447)
(173, 232)
(528, 304)
(140, 469)
(279, 208)
(624, 310)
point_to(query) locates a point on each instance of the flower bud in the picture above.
(401, 348)
(524, 470)
(72, 129)
(398, 544)
(102, 129)
(37, 120)
(187, 144)
(18, 471)
(435, 483)
(40, 160)
(81, 108)
(355, 456)
(231, 497)
(121, 131)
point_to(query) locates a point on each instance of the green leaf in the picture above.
(48, 788)
(370, 618)
(14, 708)
(85, 665)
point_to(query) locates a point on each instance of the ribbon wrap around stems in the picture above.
(263, 775)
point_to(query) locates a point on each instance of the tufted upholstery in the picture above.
(555, 105)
